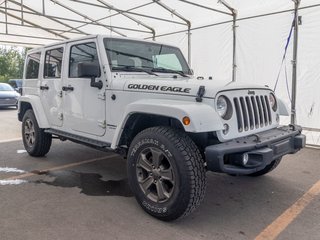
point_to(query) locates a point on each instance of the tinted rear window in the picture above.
(33, 64)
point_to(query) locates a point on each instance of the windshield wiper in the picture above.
(133, 69)
(166, 70)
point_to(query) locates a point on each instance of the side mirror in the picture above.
(90, 70)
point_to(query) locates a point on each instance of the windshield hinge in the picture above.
(102, 124)
(201, 91)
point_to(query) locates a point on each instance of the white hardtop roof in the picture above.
(92, 36)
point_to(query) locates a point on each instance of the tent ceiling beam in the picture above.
(27, 36)
(119, 11)
(49, 17)
(22, 43)
(87, 17)
(53, 18)
(73, 20)
(134, 8)
(31, 26)
(205, 7)
(153, 32)
(34, 24)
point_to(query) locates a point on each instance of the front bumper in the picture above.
(261, 150)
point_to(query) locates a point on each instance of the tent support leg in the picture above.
(189, 45)
(294, 62)
(234, 30)
(6, 15)
(234, 54)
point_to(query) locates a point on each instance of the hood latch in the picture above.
(200, 94)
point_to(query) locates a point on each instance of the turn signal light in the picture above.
(186, 121)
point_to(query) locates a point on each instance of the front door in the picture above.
(84, 105)
(51, 83)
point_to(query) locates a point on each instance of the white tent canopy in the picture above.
(262, 31)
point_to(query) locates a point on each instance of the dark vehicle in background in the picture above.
(16, 84)
(8, 96)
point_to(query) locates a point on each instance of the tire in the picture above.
(35, 140)
(267, 169)
(166, 173)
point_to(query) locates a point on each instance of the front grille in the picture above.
(252, 112)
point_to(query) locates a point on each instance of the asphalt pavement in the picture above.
(76, 192)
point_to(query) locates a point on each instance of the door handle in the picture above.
(67, 88)
(45, 87)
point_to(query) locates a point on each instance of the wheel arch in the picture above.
(140, 121)
(33, 103)
(158, 112)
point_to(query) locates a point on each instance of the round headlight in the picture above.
(222, 106)
(273, 102)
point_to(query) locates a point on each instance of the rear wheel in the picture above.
(267, 169)
(35, 140)
(166, 173)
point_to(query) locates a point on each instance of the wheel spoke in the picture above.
(144, 163)
(157, 156)
(26, 130)
(162, 194)
(167, 174)
(27, 126)
(146, 183)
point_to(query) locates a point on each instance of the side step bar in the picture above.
(79, 139)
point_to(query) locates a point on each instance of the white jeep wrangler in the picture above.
(139, 99)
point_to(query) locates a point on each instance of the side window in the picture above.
(82, 53)
(53, 63)
(33, 64)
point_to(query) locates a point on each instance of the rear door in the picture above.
(84, 105)
(51, 83)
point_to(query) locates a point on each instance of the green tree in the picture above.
(11, 63)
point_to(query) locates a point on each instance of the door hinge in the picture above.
(60, 94)
(102, 96)
(102, 124)
(60, 116)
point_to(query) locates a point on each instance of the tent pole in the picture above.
(234, 30)
(294, 62)
(188, 23)
(189, 45)
(153, 32)
(234, 54)
(6, 14)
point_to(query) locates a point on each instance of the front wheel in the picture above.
(166, 173)
(35, 140)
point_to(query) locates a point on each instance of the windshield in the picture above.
(129, 55)
(5, 87)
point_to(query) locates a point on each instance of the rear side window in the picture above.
(33, 63)
(53, 63)
(82, 53)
